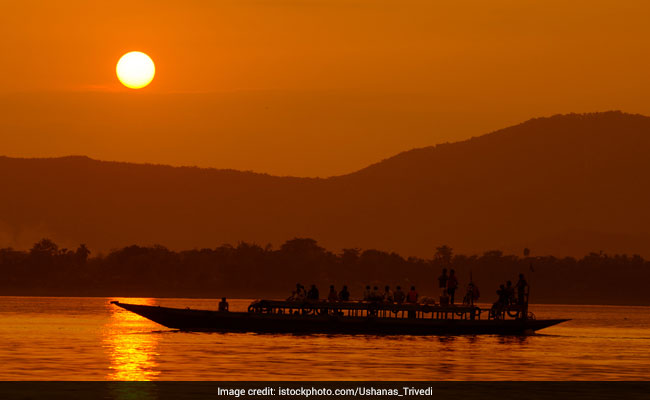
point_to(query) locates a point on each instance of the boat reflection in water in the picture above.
(131, 348)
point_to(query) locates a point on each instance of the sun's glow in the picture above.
(135, 70)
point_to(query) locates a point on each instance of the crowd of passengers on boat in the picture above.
(507, 294)
(447, 284)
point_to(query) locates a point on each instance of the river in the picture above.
(72, 338)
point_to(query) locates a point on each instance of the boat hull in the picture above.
(214, 321)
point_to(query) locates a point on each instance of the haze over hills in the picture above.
(564, 185)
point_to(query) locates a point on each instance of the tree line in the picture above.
(248, 270)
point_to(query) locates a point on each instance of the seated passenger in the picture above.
(332, 296)
(399, 296)
(412, 296)
(375, 295)
(313, 293)
(223, 304)
(298, 294)
(388, 295)
(502, 300)
(344, 295)
(472, 294)
(366, 293)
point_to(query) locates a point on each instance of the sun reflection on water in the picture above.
(132, 349)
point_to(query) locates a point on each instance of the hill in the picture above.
(563, 185)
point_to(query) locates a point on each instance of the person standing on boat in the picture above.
(510, 293)
(521, 289)
(442, 281)
(332, 296)
(223, 305)
(344, 295)
(452, 285)
(388, 295)
(412, 296)
(399, 296)
(313, 293)
(444, 298)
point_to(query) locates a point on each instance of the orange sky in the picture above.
(306, 87)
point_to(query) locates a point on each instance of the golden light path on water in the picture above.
(563, 352)
(132, 352)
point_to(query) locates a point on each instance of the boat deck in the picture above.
(387, 310)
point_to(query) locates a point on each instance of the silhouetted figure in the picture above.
(444, 298)
(510, 293)
(299, 293)
(499, 305)
(332, 296)
(388, 295)
(442, 280)
(452, 285)
(223, 304)
(344, 295)
(472, 294)
(399, 295)
(502, 293)
(313, 293)
(374, 294)
(367, 293)
(521, 289)
(412, 296)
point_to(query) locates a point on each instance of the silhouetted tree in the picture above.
(350, 256)
(82, 254)
(253, 271)
(44, 247)
(443, 255)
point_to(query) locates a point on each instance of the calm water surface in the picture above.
(43, 338)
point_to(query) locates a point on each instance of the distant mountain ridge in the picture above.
(562, 185)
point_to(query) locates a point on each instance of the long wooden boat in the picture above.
(270, 316)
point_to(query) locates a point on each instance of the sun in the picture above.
(135, 70)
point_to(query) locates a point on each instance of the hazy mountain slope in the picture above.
(566, 184)
(574, 178)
